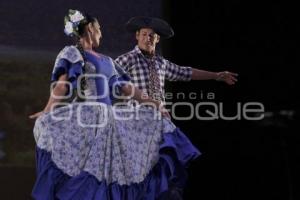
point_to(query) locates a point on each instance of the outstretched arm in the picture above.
(176, 72)
(225, 76)
(59, 89)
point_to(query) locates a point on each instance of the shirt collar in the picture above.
(139, 51)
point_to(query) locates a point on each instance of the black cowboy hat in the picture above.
(160, 26)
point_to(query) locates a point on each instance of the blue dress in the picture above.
(93, 150)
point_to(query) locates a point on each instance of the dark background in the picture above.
(258, 40)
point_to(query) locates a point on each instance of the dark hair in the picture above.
(88, 19)
(81, 31)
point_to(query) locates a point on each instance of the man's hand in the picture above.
(227, 77)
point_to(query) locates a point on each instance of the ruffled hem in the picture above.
(176, 152)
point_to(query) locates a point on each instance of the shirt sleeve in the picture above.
(175, 72)
(125, 61)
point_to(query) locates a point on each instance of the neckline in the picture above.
(92, 52)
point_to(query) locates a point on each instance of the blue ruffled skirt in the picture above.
(135, 159)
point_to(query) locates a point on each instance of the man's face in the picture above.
(147, 39)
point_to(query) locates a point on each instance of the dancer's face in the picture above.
(96, 34)
(147, 39)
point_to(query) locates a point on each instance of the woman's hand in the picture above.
(60, 89)
(36, 115)
(164, 112)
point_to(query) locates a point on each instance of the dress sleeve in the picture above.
(118, 79)
(66, 64)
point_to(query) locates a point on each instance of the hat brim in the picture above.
(159, 26)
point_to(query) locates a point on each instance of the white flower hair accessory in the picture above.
(68, 28)
(76, 17)
(72, 21)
